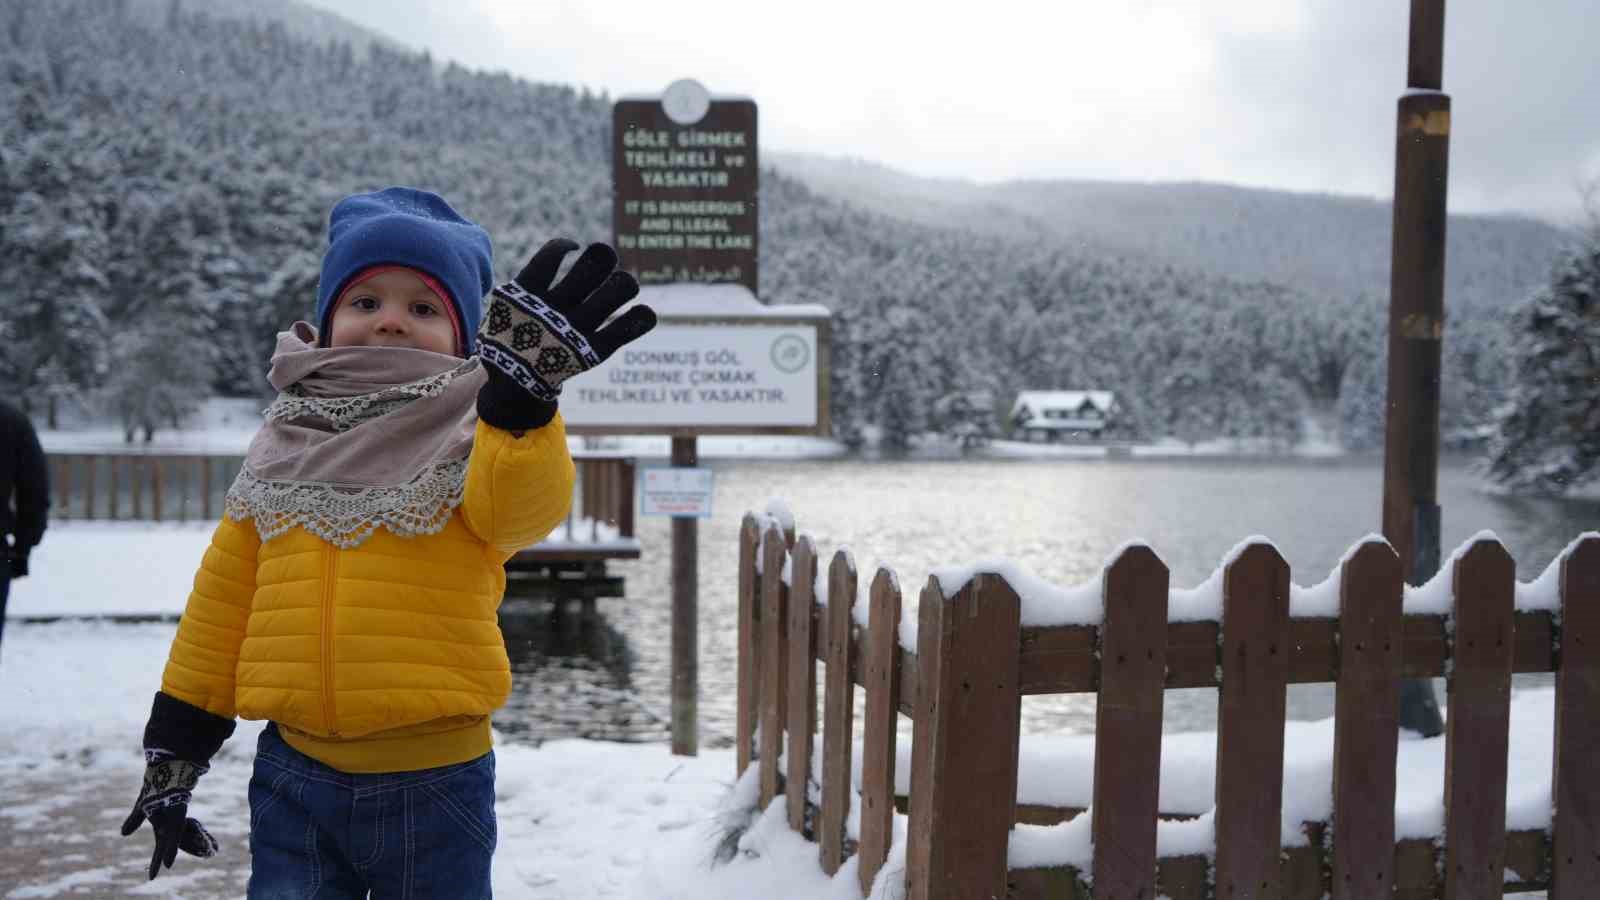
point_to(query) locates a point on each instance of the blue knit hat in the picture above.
(413, 228)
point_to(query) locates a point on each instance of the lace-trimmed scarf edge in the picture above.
(346, 515)
(345, 413)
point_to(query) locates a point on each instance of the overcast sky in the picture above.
(1296, 94)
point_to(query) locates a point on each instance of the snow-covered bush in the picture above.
(1549, 429)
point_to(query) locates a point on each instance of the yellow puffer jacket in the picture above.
(386, 657)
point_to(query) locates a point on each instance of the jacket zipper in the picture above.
(329, 586)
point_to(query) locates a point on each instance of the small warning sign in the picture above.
(674, 491)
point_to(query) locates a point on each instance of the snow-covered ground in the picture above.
(111, 568)
(576, 818)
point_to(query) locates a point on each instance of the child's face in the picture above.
(392, 309)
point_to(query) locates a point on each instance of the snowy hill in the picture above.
(165, 190)
(1319, 243)
(299, 19)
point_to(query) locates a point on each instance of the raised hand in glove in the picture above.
(536, 335)
(164, 800)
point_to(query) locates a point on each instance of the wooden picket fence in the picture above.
(974, 661)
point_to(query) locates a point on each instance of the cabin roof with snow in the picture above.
(1039, 401)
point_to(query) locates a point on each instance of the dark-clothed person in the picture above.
(24, 497)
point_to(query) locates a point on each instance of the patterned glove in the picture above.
(194, 736)
(536, 336)
(164, 800)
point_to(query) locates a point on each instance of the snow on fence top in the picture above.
(1044, 603)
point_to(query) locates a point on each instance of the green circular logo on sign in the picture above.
(790, 354)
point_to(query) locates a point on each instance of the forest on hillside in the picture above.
(165, 183)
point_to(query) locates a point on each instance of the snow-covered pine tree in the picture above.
(144, 390)
(163, 354)
(1548, 437)
(53, 327)
(1478, 367)
(1362, 395)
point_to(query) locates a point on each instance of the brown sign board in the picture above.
(684, 198)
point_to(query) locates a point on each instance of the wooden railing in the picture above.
(173, 488)
(975, 660)
(160, 488)
(605, 493)
(606, 485)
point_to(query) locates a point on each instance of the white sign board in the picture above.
(746, 375)
(681, 492)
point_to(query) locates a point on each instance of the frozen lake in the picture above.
(1060, 519)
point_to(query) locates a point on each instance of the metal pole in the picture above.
(685, 616)
(1416, 326)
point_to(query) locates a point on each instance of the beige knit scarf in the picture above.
(358, 437)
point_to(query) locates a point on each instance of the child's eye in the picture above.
(367, 303)
(423, 310)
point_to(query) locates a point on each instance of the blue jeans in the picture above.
(316, 832)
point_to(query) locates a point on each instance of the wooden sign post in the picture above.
(686, 179)
(1411, 517)
(685, 616)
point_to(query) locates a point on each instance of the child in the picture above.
(349, 594)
